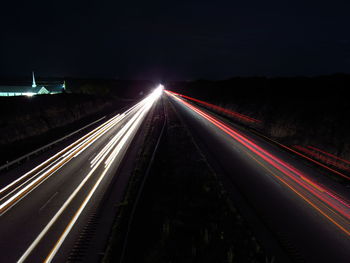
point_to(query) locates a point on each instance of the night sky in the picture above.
(174, 39)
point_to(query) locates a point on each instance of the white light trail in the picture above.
(48, 161)
(34, 182)
(120, 140)
(134, 125)
(19, 192)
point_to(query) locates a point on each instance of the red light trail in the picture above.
(220, 109)
(330, 160)
(329, 154)
(316, 162)
(333, 207)
(249, 119)
(309, 159)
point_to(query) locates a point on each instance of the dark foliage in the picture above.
(300, 110)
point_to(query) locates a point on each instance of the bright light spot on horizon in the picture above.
(158, 91)
(29, 94)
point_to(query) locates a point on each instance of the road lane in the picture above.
(310, 214)
(40, 210)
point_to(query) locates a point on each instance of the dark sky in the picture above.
(174, 39)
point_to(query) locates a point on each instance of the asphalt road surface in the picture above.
(42, 210)
(308, 210)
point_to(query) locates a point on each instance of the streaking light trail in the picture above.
(99, 168)
(252, 120)
(327, 159)
(119, 142)
(329, 154)
(333, 207)
(220, 109)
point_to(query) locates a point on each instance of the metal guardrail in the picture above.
(45, 147)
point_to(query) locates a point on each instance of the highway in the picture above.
(310, 212)
(43, 210)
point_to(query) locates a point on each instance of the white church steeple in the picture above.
(33, 84)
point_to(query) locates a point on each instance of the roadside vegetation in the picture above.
(29, 123)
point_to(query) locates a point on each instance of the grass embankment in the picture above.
(184, 215)
(29, 123)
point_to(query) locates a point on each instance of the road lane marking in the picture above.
(92, 156)
(48, 201)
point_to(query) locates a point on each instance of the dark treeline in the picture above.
(299, 110)
(131, 89)
(262, 88)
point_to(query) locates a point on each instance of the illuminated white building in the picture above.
(34, 89)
